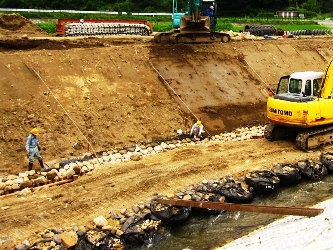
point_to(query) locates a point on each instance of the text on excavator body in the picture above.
(281, 112)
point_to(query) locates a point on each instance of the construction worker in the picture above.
(210, 11)
(32, 147)
(197, 129)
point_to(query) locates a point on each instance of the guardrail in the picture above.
(87, 12)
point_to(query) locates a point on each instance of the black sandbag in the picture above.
(133, 234)
(170, 214)
(289, 174)
(95, 240)
(327, 160)
(262, 181)
(312, 170)
(234, 192)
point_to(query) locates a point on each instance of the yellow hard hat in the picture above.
(198, 123)
(34, 131)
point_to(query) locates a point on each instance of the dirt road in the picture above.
(112, 92)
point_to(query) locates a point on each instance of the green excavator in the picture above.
(196, 25)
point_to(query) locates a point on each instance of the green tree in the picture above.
(17, 4)
(326, 6)
(225, 7)
(126, 6)
(311, 5)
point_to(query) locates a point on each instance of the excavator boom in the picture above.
(326, 89)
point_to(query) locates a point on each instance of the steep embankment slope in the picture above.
(227, 84)
(114, 96)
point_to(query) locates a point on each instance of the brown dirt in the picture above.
(115, 91)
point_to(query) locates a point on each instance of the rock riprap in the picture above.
(70, 169)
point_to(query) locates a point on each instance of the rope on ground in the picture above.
(258, 76)
(322, 57)
(36, 73)
(243, 58)
(166, 82)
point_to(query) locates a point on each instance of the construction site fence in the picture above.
(87, 12)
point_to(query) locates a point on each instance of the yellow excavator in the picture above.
(302, 107)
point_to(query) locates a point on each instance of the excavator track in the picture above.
(188, 38)
(314, 138)
(268, 133)
(274, 132)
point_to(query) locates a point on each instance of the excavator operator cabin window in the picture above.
(316, 86)
(295, 86)
(308, 88)
(283, 85)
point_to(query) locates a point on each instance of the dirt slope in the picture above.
(112, 92)
(103, 88)
(14, 25)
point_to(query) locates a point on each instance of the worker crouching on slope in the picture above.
(197, 130)
(32, 147)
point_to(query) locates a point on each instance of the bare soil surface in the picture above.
(109, 92)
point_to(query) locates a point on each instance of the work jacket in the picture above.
(32, 143)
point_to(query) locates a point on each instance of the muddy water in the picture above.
(204, 231)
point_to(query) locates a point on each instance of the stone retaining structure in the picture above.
(137, 220)
(69, 170)
(24, 183)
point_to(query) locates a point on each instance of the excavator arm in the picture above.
(194, 9)
(195, 22)
(327, 82)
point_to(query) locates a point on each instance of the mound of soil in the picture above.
(16, 25)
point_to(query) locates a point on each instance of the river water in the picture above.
(203, 231)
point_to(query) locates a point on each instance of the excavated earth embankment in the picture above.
(93, 94)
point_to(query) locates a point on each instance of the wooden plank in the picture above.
(300, 211)
(52, 184)
(39, 187)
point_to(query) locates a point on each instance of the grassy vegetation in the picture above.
(60, 15)
(164, 23)
(49, 27)
(302, 27)
(285, 24)
(162, 26)
(288, 27)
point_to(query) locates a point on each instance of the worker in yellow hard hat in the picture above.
(197, 129)
(32, 147)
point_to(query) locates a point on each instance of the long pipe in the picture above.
(300, 211)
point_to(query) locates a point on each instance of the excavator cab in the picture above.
(207, 10)
(299, 86)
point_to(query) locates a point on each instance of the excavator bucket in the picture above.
(187, 25)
